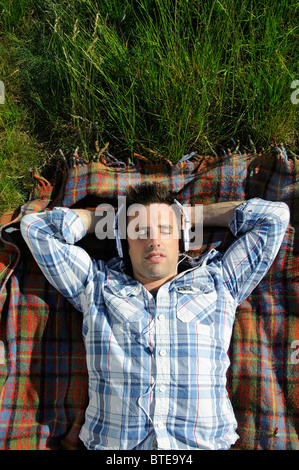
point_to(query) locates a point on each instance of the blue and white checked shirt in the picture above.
(157, 367)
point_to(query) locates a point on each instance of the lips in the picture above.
(155, 257)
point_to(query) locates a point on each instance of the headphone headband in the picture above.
(116, 233)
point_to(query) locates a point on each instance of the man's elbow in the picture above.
(27, 222)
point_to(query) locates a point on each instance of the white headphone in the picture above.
(186, 229)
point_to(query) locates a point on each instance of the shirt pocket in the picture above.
(124, 305)
(196, 303)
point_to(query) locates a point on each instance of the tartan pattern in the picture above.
(43, 380)
(134, 345)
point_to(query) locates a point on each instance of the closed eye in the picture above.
(146, 232)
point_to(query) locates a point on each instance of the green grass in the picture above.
(172, 76)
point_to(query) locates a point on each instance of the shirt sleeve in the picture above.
(260, 227)
(51, 236)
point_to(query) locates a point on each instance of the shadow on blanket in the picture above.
(43, 377)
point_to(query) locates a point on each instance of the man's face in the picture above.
(153, 239)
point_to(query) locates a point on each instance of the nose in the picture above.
(154, 238)
(154, 242)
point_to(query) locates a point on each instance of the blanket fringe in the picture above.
(103, 156)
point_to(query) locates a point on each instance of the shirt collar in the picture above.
(130, 286)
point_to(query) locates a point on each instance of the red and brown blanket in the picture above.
(43, 376)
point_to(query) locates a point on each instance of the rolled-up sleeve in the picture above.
(51, 238)
(260, 227)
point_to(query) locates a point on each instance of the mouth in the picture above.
(155, 257)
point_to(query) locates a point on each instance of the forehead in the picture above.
(153, 214)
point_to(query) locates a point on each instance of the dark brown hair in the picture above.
(149, 193)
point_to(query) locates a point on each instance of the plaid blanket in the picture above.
(43, 376)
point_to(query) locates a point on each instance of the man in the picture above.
(157, 324)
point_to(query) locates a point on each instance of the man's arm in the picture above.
(219, 214)
(215, 215)
(51, 237)
(259, 227)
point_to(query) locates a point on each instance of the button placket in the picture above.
(162, 338)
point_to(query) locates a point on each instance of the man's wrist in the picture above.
(88, 218)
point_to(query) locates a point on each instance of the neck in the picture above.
(151, 284)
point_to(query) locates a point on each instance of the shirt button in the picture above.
(162, 352)
(162, 388)
(161, 317)
(160, 425)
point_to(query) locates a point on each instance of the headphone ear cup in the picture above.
(125, 249)
(181, 242)
(184, 239)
